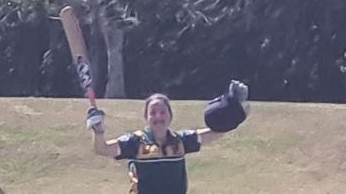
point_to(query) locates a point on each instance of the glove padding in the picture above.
(94, 117)
(238, 90)
(226, 112)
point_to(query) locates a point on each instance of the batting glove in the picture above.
(238, 90)
(94, 117)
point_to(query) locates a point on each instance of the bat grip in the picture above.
(91, 96)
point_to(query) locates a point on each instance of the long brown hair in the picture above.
(158, 96)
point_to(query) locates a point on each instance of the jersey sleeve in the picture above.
(128, 145)
(191, 140)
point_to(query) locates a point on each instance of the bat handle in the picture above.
(91, 96)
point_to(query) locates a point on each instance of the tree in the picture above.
(107, 22)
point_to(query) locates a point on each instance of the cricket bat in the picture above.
(78, 50)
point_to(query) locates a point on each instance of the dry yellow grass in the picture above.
(281, 148)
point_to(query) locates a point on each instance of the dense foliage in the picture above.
(285, 50)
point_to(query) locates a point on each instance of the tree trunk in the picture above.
(114, 39)
(97, 57)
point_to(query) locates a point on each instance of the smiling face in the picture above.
(158, 113)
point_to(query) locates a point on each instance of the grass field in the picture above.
(281, 148)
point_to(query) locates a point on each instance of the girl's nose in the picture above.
(158, 115)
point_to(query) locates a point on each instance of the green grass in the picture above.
(12, 136)
(281, 148)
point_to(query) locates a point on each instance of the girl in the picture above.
(156, 153)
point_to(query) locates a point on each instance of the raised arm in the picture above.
(206, 135)
(123, 147)
(103, 147)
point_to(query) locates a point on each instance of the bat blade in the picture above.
(78, 50)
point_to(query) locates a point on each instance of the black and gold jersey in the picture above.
(158, 169)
